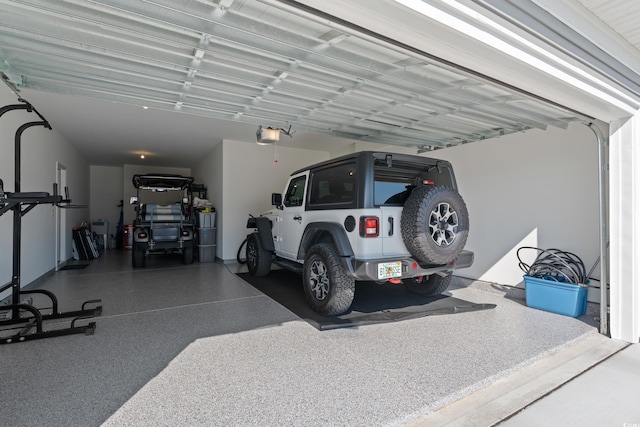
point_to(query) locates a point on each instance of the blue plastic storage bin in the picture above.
(568, 299)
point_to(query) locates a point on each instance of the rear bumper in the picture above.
(368, 270)
(175, 246)
(163, 235)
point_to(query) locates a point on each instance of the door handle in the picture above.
(297, 218)
(390, 219)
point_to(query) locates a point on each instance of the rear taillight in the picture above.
(369, 226)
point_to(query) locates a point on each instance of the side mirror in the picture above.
(276, 199)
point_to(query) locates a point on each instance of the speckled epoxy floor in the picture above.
(196, 345)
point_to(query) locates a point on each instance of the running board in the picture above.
(289, 265)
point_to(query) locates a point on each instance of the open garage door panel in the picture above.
(275, 63)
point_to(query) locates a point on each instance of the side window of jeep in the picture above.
(335, 185)
(295, 192)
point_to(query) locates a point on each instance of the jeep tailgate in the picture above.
(392, 244)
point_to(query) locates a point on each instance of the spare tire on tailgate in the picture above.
(434, 224)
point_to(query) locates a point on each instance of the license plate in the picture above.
(387, 270)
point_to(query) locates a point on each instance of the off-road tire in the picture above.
(434, 224)
(138, 259)
(187, 252)
(327, 286)
(258, 258)
(435, 284)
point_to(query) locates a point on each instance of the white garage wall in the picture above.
(531, 189)
(106, 193)
(41, 150)
(240, 177)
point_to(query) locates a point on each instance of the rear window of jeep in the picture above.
(392, 185)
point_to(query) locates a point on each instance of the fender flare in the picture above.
(337, 232)
(263, 225)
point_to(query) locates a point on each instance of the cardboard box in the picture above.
(568, 299)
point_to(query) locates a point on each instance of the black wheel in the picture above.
(328, 287)
(258, 259)
(434, 224)
(137, 257)
(429, 286)
(187, 253)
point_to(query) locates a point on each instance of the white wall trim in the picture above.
(624, 232)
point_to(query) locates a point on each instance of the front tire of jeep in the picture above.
(434, 224)
(430, 286)
(258, 258)
(328, 287)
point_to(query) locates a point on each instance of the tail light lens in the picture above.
(369, 226)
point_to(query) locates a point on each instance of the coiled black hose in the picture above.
(554, 264)
(241, 251)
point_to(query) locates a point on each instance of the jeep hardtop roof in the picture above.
(161, 181)
(379, 155)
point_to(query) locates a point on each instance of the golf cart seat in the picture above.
(164, 213)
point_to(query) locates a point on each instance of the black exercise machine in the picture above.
(24, 319)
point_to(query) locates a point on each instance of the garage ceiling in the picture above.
(243, 63)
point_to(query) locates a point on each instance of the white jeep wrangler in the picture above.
(367, 216)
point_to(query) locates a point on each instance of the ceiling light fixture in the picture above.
(142, 156)
(269, 135)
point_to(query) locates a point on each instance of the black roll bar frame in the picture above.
(22, 313)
